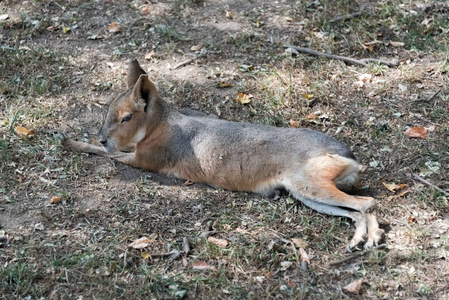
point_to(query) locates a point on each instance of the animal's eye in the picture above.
(127, 118)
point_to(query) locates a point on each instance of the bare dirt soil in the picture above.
(61, 62)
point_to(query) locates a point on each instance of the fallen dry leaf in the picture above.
(95, 37)
(411, 220)
(354, 287)
(404, 192)
(23, 132)
(140, 243)
(229, 14)
(244, 98)
(227, 227)
(368, 47)
(304, 256)
(300, 243)
(145, 255)
(202, 266)
(145, 10)
(4, 17)
(218, 242)
(185, 245)
(365, 77)
(224, 85)
(114, 27)
(55, 199)
(312, 116)
(416, 132)
(396, 44)
(150, 55)
(393, 187)
(402, 87)
(308, 96)
(270, 274)
(359, 83)
(293, 123)
(196, 47)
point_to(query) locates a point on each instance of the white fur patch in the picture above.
(140, 135)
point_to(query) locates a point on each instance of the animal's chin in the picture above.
(110, 148)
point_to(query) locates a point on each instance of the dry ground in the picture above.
(60, 65)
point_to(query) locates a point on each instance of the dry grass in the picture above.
(59, 68)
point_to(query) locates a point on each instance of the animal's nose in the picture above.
(102, 139)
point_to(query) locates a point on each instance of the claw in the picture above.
(86, 134)
(62, 137)
(353, 246)
(374, 239)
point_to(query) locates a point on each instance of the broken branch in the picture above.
(186, 62)
(358, 254)
(419, 178)
(361, 62)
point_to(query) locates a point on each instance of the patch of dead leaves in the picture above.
(395, 188)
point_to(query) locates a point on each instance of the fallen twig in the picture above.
(358, 254)
(433, 96)
(419, 178)
(361, 62)
(174, 254)
(186, 62)
(346, 17)
(428, 99)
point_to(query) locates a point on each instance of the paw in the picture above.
(86, 135)
(354, 243)
(374, 238)
(62, 137)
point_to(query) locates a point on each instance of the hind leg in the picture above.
(358, 218)
(322, 176)
(325, 192)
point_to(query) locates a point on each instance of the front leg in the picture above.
(126, 158)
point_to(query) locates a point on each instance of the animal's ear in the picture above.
(144, 92)
(134, 71)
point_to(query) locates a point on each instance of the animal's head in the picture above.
(128, 114)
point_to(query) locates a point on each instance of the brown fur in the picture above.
(315, 168)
